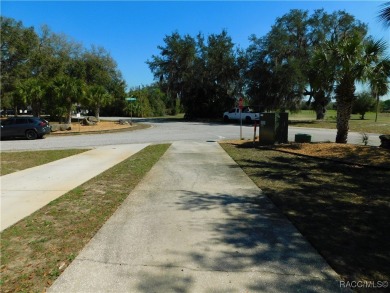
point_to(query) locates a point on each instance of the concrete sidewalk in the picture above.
(26, 191)
(197, 223)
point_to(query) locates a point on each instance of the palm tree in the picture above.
(357, 59)
(348, 57)
(32, 91)
(378, 70)
(321, 81)
(68, 91)
(97, 97)
(384, 14)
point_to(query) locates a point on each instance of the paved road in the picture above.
(200, 229)
(164, 131)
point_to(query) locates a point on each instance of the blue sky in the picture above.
(132, 30)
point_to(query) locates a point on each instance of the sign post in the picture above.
(254, 132)
(78, 115)
(131, 108)
(240, 106)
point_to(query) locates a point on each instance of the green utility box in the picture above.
(273, 128)
(302, 138)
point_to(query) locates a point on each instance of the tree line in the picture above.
(54, 74)
(321, 56)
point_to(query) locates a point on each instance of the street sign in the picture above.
(240, 103)
(131, 99)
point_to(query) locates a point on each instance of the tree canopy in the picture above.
(384, 14)
(51, 72)
(284, 64)
(201, 74)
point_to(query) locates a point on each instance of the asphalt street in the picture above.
(170, 131)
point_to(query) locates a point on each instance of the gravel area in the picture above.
(101, 126)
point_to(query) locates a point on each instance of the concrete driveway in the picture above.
(197, 223)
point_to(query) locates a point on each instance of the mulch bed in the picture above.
(348, 153)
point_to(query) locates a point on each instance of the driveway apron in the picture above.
(197, 223)
(26, 191)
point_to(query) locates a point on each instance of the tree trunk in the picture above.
(69, 110)
(320, 113)
(97, 113)
(320, 102)
(69, 115)
(344, 110)
(36, 109)
(377, 108)
(344, 97)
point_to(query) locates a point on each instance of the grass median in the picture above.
(306, 118)
(341, 209)
(17, 161)
(37, 249)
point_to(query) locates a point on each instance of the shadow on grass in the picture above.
(343, 210)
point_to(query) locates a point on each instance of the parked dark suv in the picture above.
(29, 127)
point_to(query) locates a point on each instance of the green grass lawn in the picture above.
(37, 249)
(306, 118)
(17, 161)
(343, 210)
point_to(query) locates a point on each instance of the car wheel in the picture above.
(248, 120)
(226, 119)
(31, 134)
